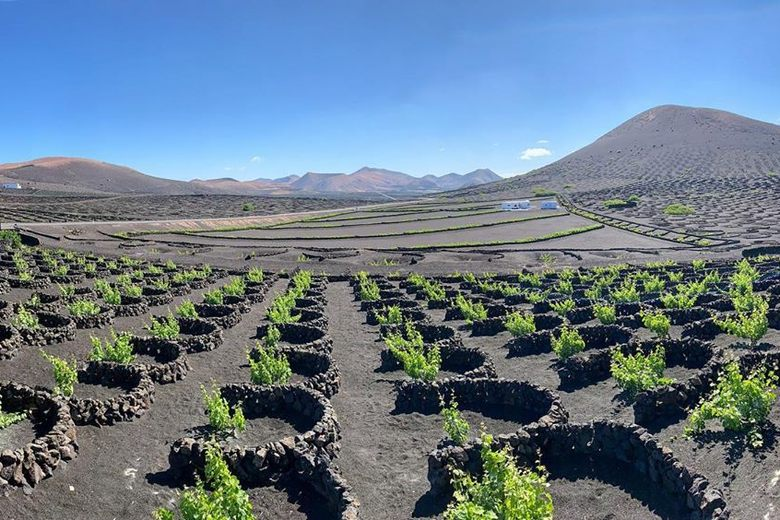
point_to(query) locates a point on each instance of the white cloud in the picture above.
(542, 141)
(534, 153)
(257, 159)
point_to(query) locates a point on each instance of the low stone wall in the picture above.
(674, 399)
(303, 336)
(591, 367)
(316, 469)
(263, 465)
(134, 403)
(468, 361)
(605, 440)
(53, 328)
(156, 296)
(223, 316)
(198, 335)
(403, 303)
(130, 306)
(518, 398)
(488, 327)
(411, 314)
(27, 466)
(103, 319)
(240, 303)
(10, 341)
(319, 369)
(171, 363)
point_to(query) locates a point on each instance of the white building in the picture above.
(516, 205)
(11, 186)
(549, 204)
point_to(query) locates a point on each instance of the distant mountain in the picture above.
(68, 174)
(455, 181)
(364, 180)
(88, 176)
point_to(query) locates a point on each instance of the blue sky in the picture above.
(189, 88)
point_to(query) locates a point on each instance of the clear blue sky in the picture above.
(193, 88)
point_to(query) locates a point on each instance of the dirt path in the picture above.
(383, 456)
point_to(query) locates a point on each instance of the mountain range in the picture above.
(89, 176)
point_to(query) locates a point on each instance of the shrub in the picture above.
(605, 313)
(468, 277)
(520, 324)
(133, 290)
(84, 308)
(568, 343)
(186, 309)
(684, 297)
(390, 316)
(657, 322)
(536, 296)
(220, 417)
(301, 282)
(9, 419)
(25, 319)
(503, 493)
(118, 349)
(616, 203)
(750, 325)
(109, 294)
(409, 350)
(471, 311)
(455, 426)
(636, 373)
(626, 293)
(740, 403)
(563, 307)
(369, 291)
(66, 290)
(503, 288)
(213, 297)
(530, 279)
(271, 367)
(248, 206)
(65, 375)
(653, 284)
(161, 283)
(433, 290)
(153, 269)
(540, 191)
(698, 264)
(166, 328)
(281, 309)
(227, 501)
(564, 287)
(594, 292)
(678, 209)
(255, 275)
(235, 287)
(10, 238)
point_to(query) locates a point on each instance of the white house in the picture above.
(549, 204)
(11, 186)
(516, 205)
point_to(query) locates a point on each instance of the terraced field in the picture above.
(354, 429)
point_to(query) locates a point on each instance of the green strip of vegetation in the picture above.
(401, 233)
(417, 219)
(527, 240)
(678, 209)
